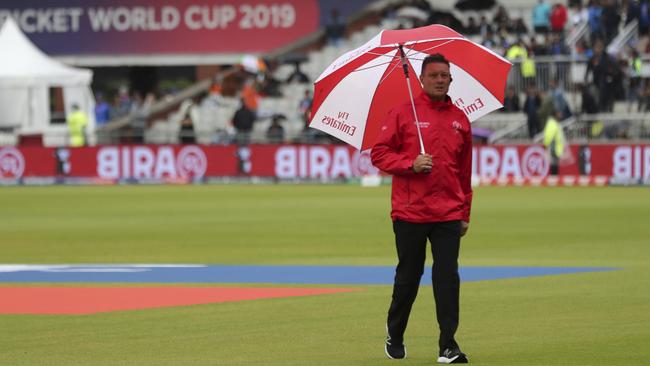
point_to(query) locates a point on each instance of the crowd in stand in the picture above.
(246, 82)
(541, 53)
(608, 77)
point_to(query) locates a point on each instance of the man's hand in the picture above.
(422, 163)
(464, 225)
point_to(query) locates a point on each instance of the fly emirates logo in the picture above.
(340, 123)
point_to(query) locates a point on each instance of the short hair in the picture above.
(437, 58)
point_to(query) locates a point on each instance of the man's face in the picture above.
(435, 80)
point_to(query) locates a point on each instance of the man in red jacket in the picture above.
(431, 199)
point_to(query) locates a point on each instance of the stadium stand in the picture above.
(562, 54)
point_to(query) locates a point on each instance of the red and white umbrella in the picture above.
(353, 96)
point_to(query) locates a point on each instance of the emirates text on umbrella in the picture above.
(339, 124)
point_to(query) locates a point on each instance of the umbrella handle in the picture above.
(408, 85)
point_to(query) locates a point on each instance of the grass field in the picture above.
(600, 318)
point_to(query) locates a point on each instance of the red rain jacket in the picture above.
(445, 194)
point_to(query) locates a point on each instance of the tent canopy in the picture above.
(27, 77)
(23, 63)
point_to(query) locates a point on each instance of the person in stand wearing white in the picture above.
(431, 199)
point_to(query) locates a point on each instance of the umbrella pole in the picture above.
(405, 67)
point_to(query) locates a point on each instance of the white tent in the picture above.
(27, 76)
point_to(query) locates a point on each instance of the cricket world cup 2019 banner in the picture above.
(136, 27)
(320, 162)
(63, 27)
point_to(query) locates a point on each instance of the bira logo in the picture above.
(146, 162)
(340, 123)
(456, 125)
(422, 124)
(534, 162)
(12, 163)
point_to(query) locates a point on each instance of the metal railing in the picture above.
(629, 32)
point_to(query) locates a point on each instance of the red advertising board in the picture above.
(320, 162)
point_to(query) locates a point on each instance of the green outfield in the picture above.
(599, 318)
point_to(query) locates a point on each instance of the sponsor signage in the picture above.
(318, 162)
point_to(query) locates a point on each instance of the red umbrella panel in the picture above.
(355, 93)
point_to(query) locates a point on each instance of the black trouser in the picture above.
(411, 242)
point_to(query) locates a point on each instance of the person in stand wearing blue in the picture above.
(541, 17)
(102, 110)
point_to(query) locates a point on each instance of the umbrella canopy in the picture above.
(353, 96)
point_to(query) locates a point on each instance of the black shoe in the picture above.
(395, 351)
(452, 355)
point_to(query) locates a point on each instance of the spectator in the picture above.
(518, 52)
(501, 16)
(602, 71)
(541, 15)
(644, 98)
(102, 110)
(610, 19)
(556, 45)
(243, 121)
(634, 78)
(122, 103)
(554, 142)
(485, 28)
(511, 101)
(519, 27)
(141, 112)
(594, 12)
(546, 108)
(275, 133)
(190, 115)
(488, 41)
(335, 28)
(472, 28)
(589, 94)
(538, 49)
(583, 49)
(577, 15)
(305, 108)
(249, 94)
(631, 10)
(558, 18)
(528, 71)
(502, 21)
(644, 17)
(503, 32)
(531, 106)
(77, 123)
(560, 104)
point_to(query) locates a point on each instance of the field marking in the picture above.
(266, 274)
(91, 300)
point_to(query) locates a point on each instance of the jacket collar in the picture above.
(424, 98)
